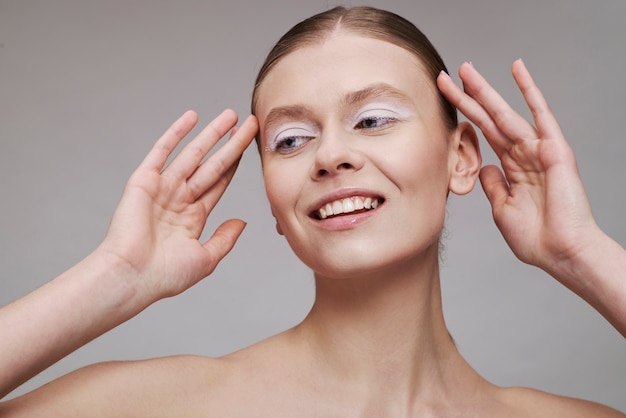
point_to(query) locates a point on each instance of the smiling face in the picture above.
(357, 159)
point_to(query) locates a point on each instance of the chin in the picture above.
(362, 264)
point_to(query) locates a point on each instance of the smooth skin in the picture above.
(538, 200)
(370, 347)
(151, 251)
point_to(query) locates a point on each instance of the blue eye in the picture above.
(374, 122)
(289, 144)
(290, 139)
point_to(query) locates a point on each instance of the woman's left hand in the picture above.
(538, 200)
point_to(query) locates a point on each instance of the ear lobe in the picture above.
(279, 229)
(465, 159)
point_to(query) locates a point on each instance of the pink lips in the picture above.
(345, 208)
(347, 205)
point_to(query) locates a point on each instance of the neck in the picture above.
(386, 332)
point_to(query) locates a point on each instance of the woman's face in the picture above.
(356, 157)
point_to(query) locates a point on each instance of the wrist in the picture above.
(594, 269)
(118, 282)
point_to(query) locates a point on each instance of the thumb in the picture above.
(495, 187)
(223, 240)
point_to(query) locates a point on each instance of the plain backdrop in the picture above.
(86, 87)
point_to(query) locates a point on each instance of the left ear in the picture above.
(465, 160)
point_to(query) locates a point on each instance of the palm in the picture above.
(538, 201)
(157, 226)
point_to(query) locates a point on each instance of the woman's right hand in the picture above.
(156, 228)
(151, 251)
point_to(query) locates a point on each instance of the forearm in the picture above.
(152, 250)
(39, 329)
(598, 275)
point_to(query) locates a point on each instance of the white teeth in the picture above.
(337, 207)
(329, 209)
(347, 205)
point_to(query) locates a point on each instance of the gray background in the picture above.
(86, 87)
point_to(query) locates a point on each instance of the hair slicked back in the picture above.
(364, 21)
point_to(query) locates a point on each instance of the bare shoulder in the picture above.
(179, 386)
(148, 387)
(531, 402)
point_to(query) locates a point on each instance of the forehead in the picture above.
(324, 73)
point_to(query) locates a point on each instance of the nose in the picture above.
(336, 154)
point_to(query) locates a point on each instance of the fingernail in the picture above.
(445, 74)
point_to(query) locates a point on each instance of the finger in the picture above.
(222, 241)
(210, 198)
(213, 194)
(221, 161)
(192, 155)
(509, 122)
(545, 121)
(495, 187)
(158, 155)
(475, 113)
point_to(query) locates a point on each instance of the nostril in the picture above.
(322, 172)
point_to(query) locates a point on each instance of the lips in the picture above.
(346, 206)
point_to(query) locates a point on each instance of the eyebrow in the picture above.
(301, 112)
(373, 92)
(294, 112)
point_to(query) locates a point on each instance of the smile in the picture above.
(347, 205)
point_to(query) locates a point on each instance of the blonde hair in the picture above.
(368, 22)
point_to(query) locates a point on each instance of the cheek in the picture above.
(271, 192)
(281, 188)
(421, 166)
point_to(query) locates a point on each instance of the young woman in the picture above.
(360, 151)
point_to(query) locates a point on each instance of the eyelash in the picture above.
(385, 119)
(291, 143)
(280, 145)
